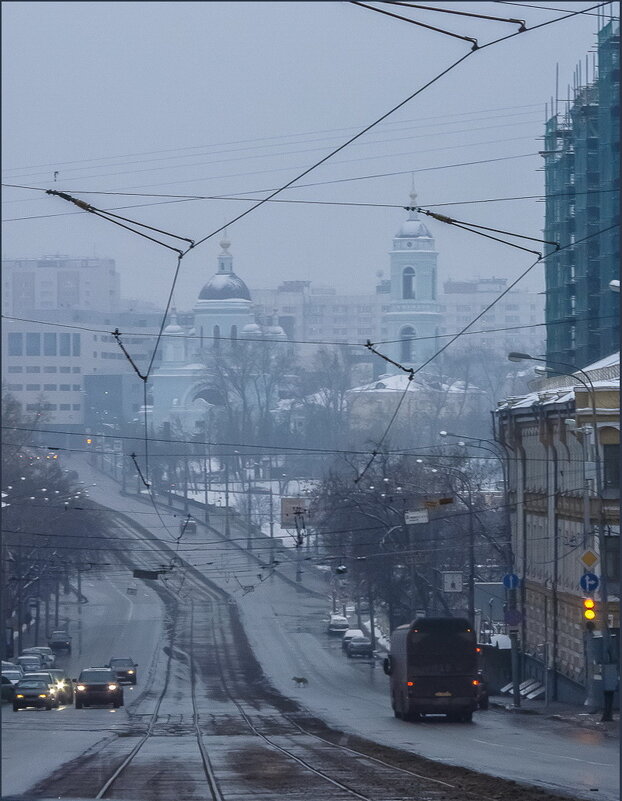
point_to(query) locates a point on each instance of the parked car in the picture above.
(30, 663)
(32, 692)
(124, 668)
(337, 624)
(46, 676)
(10, 666)
(348, 635)
(64, 685)
(98, 686)
(60, 641)
(13, 675)
(49, 660)
(359, 646)
(8, 688)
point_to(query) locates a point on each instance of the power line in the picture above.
(336, 343)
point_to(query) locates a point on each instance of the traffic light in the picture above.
(589, 613)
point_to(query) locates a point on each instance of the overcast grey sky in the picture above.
(233, 97)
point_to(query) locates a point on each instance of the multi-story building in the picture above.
(515, 321)
(59, 282)
(564, 496)
(59, 317)
(581, 166)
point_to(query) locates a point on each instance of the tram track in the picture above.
(242, 737)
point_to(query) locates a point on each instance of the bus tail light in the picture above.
(475, 682)
(410, 683)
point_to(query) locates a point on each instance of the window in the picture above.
(16, 344)
(75, 341)
(33, 344)
(64, 387)
(76, 369)
(32, 407)
(234, 333)
(611, 466)
(76, 387)
(408, 283)
(15, 369)
(33, 387)
(49, 407)
(64, 407)
(49, 387)
(49, 344)
(33, 369)
(75, 407)
(15, 387)
(64, 369)
(49, 369)
(216, 337)
(64, 345)
(406, 346)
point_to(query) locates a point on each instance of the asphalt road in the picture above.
(286, 629)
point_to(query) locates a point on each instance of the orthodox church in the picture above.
(413, 316)
(184, 388)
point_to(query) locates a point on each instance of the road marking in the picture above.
(542, 753)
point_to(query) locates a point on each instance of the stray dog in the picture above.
(300, 681)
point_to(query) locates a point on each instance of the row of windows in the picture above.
(46, 387)
(14, 368)
(44, 344)
(53, 407)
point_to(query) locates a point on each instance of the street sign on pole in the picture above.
(417, 516)
(295, 512)
(513, 618)
(511, 581)
(452, 581)
(589, 558)
(589, 582)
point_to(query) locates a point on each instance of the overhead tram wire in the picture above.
(412, 372)
(320, 342)
(298, 186)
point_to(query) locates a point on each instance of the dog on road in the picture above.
(300, 681)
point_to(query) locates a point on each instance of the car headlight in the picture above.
(19, 695)
(43, 695)
(130, 672)
(61, 685)
(112, 686)
(80, 687)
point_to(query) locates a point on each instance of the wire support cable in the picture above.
(107, 215)
(520, 22)
(470, 39)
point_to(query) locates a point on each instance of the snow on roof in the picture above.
(400, 382)
(555, 395)
(608, 361)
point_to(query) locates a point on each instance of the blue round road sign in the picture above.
(589, 582)
(511, 581)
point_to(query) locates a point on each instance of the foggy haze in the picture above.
(231, 98)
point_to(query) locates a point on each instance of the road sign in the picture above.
(416, 517)
(511, 581)
(513, 617)
(589, 582)
(589, 558)
(452, 581)
(295, 512)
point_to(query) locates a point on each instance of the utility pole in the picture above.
(56, 603)
(227, 525)
(206, 493)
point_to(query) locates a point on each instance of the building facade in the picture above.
(564, 496)
(581, 168)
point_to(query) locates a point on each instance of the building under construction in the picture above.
(581, 166)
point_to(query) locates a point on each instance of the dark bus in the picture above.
(434, 669)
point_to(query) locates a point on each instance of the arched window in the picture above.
(408, 283)
(216, 337)
(407, 335)
(434, 284)
(234, 335)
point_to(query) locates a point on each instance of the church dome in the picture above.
(225, 286)
(413, 228)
